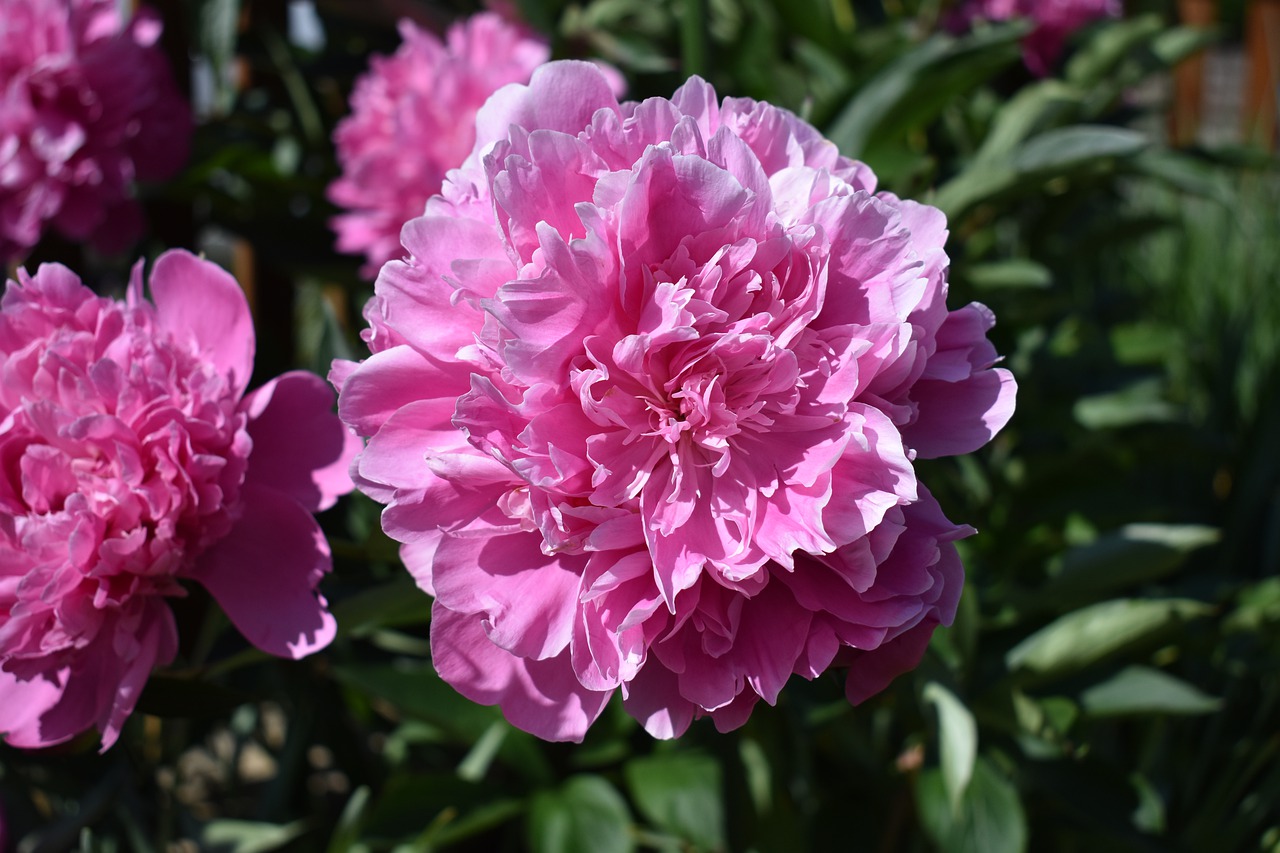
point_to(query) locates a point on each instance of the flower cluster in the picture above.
(1054, 21)
(134, 461)
(413, 119)
(643, 405)
(87, 106)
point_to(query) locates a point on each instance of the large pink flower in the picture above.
(87, 106)
(131, 460)
(413, 119)
(1054, 20)
(643, 405)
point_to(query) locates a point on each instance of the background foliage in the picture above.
(1112, 679)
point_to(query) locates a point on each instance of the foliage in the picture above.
(1111, 681)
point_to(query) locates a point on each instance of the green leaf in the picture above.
(1174, 45)
(585, 815)
(1098, 58)
(1066, 148)
(1030, 110)
(1143, 690)
(347, 832)
(219, 27)
(1138, 403)
(990, 818)
(680, 792)
(1055, 153)
(247, 836)
(1087, 636)
(915, 88)
(415, 689)
(958, 741)
(395, 603)
(1136, 553)
(1015, 273)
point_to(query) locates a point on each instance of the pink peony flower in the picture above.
(87, 106)
(412, 120)
(643, 406)
(1055, 21)
(131, 460)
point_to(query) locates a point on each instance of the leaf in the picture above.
(1143, 690)
(1098, 58)
(680, 792)
(1138, 403)
(990, 818)
(958, 741)
(585, 815)
(1176, 44)
(1014, 273)
(1087, 636)
(397, 602)
(219, 27)
(1134, 554)
(1066, 148)
(1054, 153)
(416, 690)
(347, 832)
(1027, 112)
(913, 89)
(247, 836)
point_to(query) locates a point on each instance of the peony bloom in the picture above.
(87, 106)
(412, 120)
(1055, 21)
(644, 402)
(132, 461)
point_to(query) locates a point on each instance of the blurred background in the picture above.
(1112, 680)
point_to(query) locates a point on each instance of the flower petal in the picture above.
(264, 574)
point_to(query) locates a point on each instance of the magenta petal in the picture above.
(299, 445)
(528, 600)
(960, 417)
(264, 575)
(543, 697)
(382, 384)
(871, 672)
(198, 299)
(99, 689)
(653, 697)
(23, 702)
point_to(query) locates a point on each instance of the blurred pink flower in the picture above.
(643, 404)
(132, 460)
(87, 106)
(413, 119)
(1055, 21)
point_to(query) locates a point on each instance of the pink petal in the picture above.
(960, 417)
(300, 447)
(264, 574)
(542, 697)
(527, 599)
(200, 300)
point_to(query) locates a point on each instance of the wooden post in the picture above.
(1188, 77)
(1262, 41)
